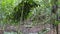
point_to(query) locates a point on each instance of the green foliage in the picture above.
(57, 22)
(44, 31)
(11, 11)
(23, 9)
(10, 33)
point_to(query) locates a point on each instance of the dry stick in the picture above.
(51, 22)
(20, 20)
(57, 24)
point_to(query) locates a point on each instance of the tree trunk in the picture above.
(54, 11)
